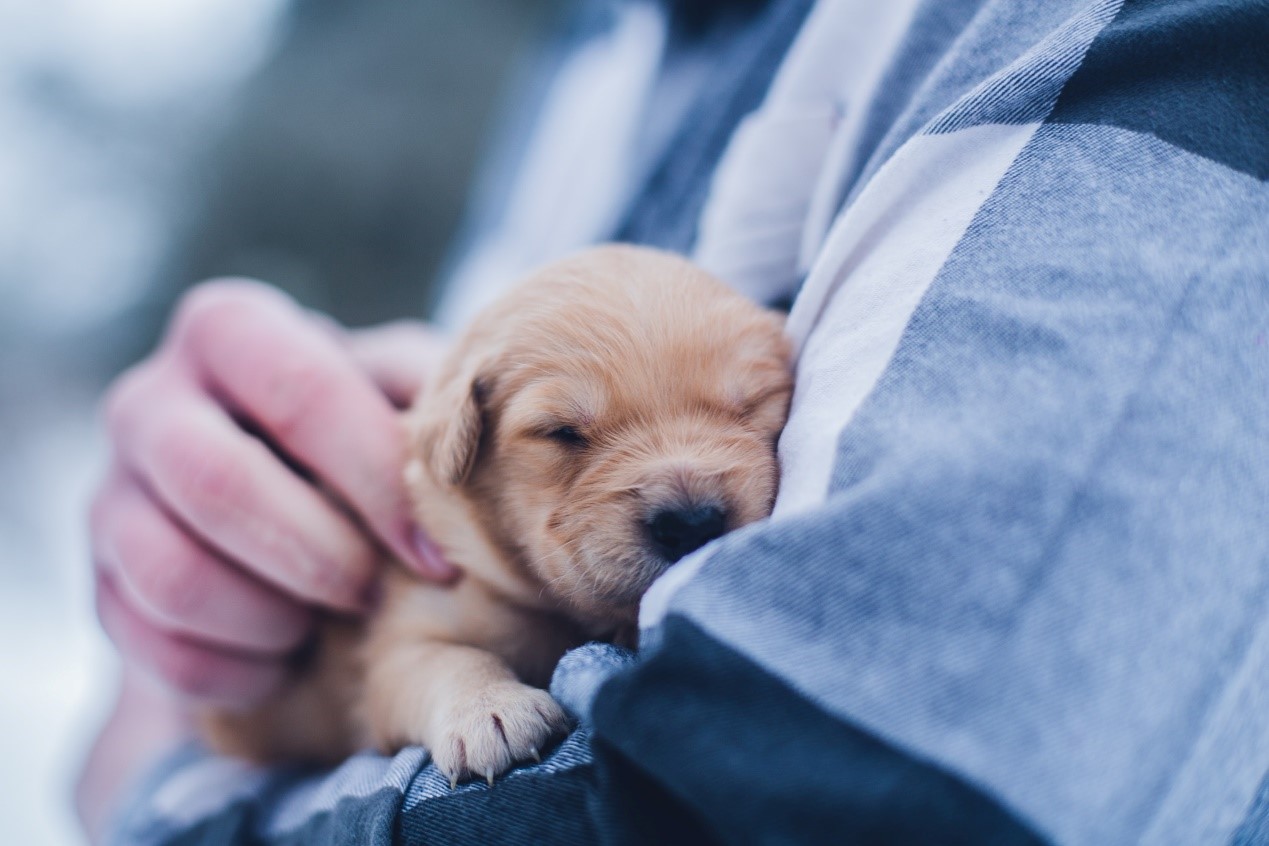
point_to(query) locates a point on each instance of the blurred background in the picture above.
(324, 145)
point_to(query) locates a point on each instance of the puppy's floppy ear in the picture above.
(446, 424)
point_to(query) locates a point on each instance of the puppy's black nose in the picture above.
(677, 531)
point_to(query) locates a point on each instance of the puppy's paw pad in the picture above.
(486, 734)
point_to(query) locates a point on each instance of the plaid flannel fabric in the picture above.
(1014, 589)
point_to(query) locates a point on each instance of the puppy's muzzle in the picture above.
(677, 530)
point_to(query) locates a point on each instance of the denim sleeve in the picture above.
(692, 745)
(195, 797)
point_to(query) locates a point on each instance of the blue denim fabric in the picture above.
(583, 671)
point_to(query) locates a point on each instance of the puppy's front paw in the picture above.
(484, 735)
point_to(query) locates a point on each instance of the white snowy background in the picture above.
(101, 102)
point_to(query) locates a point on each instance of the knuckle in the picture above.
(206, 482)
(212, 305)
(168, 583)
(300, 390)
(126, 393)
(285, 385)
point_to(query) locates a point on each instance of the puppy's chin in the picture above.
(600, 586)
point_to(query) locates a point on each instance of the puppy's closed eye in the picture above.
(567, 436)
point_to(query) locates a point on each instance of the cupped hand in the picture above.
(256, 475)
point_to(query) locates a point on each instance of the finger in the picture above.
(238, 497)
(293, 380)
(398, 357)
(193, 670)
(182, 587)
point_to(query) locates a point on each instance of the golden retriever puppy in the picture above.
(617, 411)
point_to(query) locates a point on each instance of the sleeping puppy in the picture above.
(617, 411)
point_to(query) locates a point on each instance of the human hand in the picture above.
(210, 548)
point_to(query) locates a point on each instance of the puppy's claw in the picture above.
(487, 733)
(453, 782)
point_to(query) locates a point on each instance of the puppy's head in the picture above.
(614, 413)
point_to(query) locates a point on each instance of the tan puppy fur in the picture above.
(614, 412)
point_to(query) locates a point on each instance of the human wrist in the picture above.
(145, 723)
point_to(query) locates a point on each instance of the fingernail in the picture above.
(431, 560)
